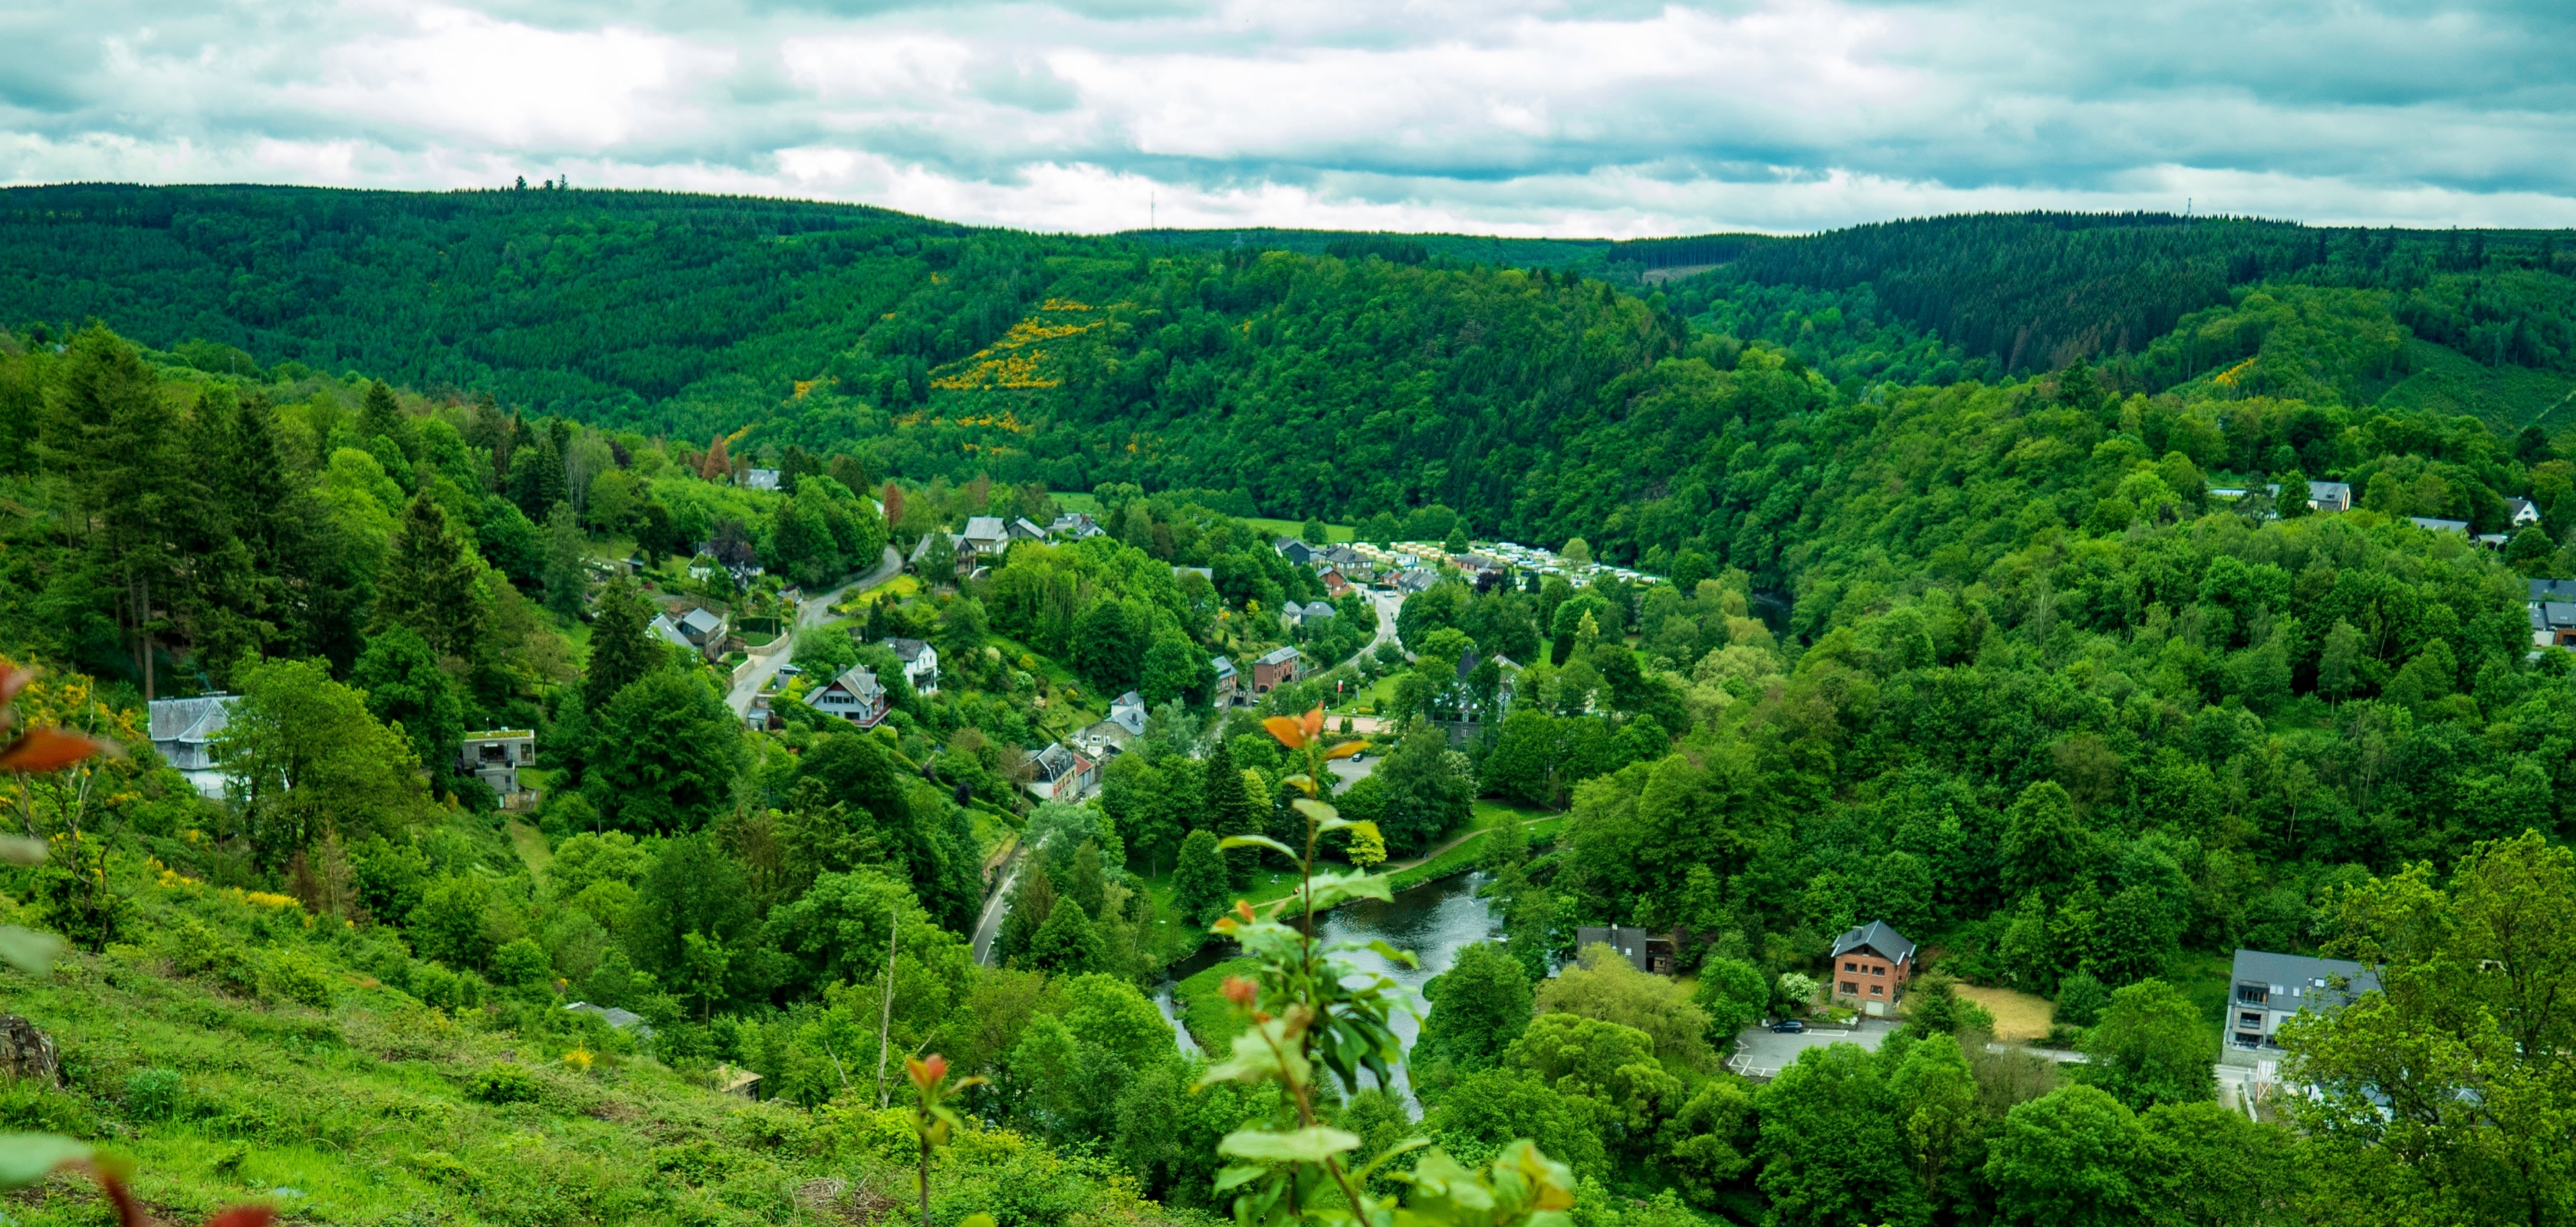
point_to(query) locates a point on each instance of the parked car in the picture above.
(1788, 1026)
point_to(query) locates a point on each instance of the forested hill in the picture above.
(1318, 374)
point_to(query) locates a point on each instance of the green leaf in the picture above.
(26, 1158)
(31, 952)
(1238, 1173)
(1332, 888)
(1313, 1144)
(1257, 841)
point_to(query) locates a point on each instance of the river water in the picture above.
(1433, 921)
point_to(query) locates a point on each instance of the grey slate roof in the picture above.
(2304, 980)
(2553, 590)
(1876, 936)
(906, 650)
(1224, 667)
(184, 729)
(985, 528)
(1278, 656)
(613, 1016)
(2431, 524)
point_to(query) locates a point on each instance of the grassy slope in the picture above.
(365, 1110)
(1201, 1002)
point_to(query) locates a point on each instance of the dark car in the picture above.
(1788, 1026)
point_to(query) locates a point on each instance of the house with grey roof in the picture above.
(1277, 667)
(1059, 774)
(760, 479)
(1074, 526)
(920, 663)
(1127, 711)
(183, 731)
(1228, 686)
(2553, 612)
(988, 537)
(2433, 525)
(1025, 529)
(855, 696)
(2330, 495)
(1297, 551)
(1643, 950)
(957, 546)
(2520, 511)
(1871, 964)
(2268, 989)
(622, 1020)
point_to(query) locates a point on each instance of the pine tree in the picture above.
(567, 578)
(537, 475)
(380, 414)
(622, 647)
(718, 463)
(1200, 884)
(107, 429)
(429, 583)
(1067, 944)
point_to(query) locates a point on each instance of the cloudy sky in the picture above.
(1526, 117)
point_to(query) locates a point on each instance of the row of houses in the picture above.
(985, 539)
(185, 732)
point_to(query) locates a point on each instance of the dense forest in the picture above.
(2021, 655)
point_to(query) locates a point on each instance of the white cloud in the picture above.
(1519, 117)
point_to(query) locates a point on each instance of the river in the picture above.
(1433, 921)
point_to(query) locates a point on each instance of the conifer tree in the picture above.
(107, 429)
(380, 414)
(430, 583)
(537, 475)
(567, 581)
(622, 647)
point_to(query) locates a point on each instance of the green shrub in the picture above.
(196, 949)
(2081, 1000)
(297, 976)
(521, 963)
(505, 1083)
(152, 1094)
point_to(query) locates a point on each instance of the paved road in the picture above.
(811, 613)
(996, 905)
(1763, 1053)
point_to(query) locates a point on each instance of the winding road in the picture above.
(811, 612)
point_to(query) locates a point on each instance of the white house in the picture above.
(2522, 512)
(920, 663)
(1127, 711)
(760, 479)
(494, 756)
(855, 696)
(1061, 774)
(988, 537)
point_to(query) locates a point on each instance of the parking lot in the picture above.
(1761, 1052)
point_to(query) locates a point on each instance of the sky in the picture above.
(1516, 117)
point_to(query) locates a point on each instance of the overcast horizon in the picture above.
(1603, 119)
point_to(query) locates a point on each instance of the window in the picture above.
(1878, 990)
(1878, 971)
(2250, 1021)
(2250, 994)
(1851, 988)
(1851, 967)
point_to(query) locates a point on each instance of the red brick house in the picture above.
(1277, 668)
(1871, 965)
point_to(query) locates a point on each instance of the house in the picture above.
(1276, 668)
(1643, 951)
(1297, 551)
(2520, 511)
(622, 1020)
(920, 663)
(1334, 584)
(1871, 965)
(965, 553)
(2429, 524)
(184, 732)
(987, 537)
(760, 479)
(1074, 526)
(1127, 711)
(1344, 557)
(2330, 495)
(2271, 988)
(1311, 611)
(494, 756)
(1025, 529)
(1416, 579)
(1100, 741)
(1228, 689)
(855, 696)
(739, 1083)
(1061, 774)
(700, 630)
(2553, 612)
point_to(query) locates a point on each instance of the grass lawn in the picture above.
(2018, 1016)
(901, 588)
(1462, 858)
(2205, 977)
(1200, 1001)
(530, 846)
